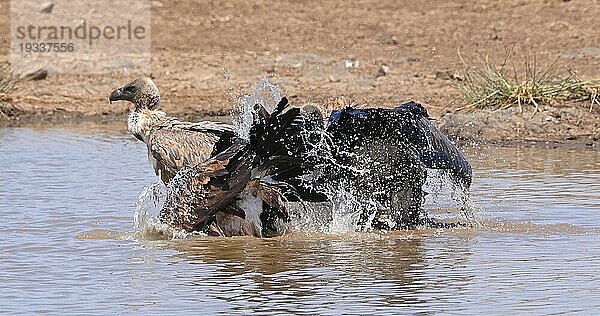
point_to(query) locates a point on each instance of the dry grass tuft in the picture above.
(7, 79)
(7, 82)
(487, 86)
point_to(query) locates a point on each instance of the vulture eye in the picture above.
(129, 89)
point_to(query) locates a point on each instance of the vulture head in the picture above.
(142, 92)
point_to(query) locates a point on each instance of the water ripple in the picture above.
(68, 243)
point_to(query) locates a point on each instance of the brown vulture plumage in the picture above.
(172, 144)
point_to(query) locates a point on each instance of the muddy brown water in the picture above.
(67, 243)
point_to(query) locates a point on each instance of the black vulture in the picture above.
(384, 155)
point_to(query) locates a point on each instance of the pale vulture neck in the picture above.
(141, 121)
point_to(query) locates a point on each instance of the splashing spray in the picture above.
(264, 93)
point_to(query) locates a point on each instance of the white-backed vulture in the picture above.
(172, 144)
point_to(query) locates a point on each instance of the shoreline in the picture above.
(452, 124)
(378, 54)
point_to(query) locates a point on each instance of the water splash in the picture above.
(443, 193)
(469, 210)
(147, 207)
(340, 216)
(149, 203)
(354, 207)
(264, 93)
(351, 207)
(351, 211)
(314, 217)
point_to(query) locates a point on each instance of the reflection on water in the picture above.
(68, 243)
(545, 186)
(312, 274)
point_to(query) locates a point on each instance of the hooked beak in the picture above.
(117, 95)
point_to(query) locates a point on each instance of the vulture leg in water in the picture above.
(394, 147)
(243, 175)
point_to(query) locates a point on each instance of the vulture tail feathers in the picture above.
(278, 133)
(279, 142)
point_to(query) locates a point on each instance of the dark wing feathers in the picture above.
(408, 123)
(279, 143)
(197, 194)
(443, 154)
(278, 133)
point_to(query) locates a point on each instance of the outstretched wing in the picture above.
(278, 139)
(440, 152)
(278, 133)
(196, 194)
(408, 124)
